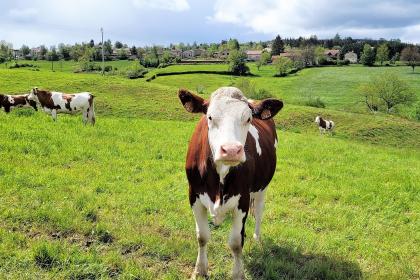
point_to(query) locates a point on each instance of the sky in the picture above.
(160, 22)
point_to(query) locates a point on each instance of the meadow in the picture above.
(110, 201)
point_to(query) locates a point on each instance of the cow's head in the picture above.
(229, 115)
(33, 95)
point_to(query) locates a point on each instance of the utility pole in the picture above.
(103, 58)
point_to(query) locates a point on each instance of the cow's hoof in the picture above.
(200, 272)
(196, 276)
(238, 276)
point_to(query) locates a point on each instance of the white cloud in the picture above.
(357, 18)
(171, 5)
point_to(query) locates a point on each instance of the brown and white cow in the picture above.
(9, 102)
(324, 125)
(56, 102)
(230, 161)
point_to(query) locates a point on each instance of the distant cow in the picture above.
(324, 125)
(56, 102)
(231, 159)
(9, 102)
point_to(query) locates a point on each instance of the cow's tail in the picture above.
(91, 113)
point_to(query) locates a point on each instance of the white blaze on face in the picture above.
(228, 117)
(32, 96)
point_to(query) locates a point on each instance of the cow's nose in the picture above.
(231, 150)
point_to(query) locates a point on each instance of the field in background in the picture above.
(111, 200)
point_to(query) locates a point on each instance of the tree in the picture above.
(52, 54)
(368, 55)
(319, 54)
(308, 55)
(233, 44)
(283, 65)
(25, 50)
(387, 90)
(5, 51)
(91, 43)
(64, 51)
(237, 63)
(411, 56)
(382, 54)
(133, 50)
(43, 51)
(278, 46)
(118, 45)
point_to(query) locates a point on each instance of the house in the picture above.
(285, 54)
(253, 55)
(351, 56)
(191, 53)
(176, 53)
(222, 54)
(333, 54)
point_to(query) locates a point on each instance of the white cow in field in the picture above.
(56, 102)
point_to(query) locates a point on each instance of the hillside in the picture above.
(110, 201)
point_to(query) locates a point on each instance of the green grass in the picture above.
(111, 201)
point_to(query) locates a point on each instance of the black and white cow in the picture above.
(56, 102)
(230, 161)
(324, 125)
(9, 102)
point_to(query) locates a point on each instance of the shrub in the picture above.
(389, 91)
(135, 71)
(368, 55)
(283, 65)
(325, 61)
(343, 62)
(315, 102)
(108, 68)
(237, 64)
(260, 94)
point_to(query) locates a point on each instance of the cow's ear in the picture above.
(266, 109)
(35, 90)
(191, 102)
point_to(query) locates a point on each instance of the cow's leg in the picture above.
(92, 115)
(236, 240)
(7, 109)
(258, 212)
(54, 114)
(203, 236)
(85, 115)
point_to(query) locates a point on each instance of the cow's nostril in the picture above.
(239, 150)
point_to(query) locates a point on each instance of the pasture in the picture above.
(111, 201)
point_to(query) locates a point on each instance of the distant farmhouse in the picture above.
(253, 55)
(351, 56)
(333, 54)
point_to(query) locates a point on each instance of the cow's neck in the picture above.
(222, 170)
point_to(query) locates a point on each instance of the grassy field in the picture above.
(110, 201)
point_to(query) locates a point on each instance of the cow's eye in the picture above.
(249, 120)
(210, 118)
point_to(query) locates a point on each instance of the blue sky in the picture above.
(147, 22)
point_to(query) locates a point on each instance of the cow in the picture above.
(56, 102)
(324, 125)
(9, 102)
(230, 161)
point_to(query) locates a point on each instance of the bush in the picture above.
(325, 61)
(315, 102)
(108, 68)
(135, 71)
(237, 63)
(283, 65)
(343, 62)
(387, 91)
